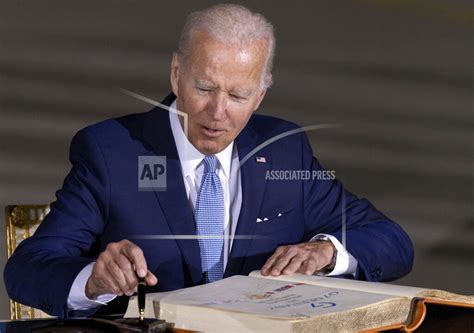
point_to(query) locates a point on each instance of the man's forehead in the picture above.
(245, 49)
(229, 66)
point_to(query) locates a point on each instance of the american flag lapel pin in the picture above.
(261, 159)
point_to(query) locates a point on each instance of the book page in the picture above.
(332, 282)
(272, 298)
(446, 297)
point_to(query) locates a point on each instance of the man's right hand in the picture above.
(116, 271)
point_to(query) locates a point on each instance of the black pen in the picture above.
(141, 297)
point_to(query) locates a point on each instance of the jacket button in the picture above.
(45, 307)
(376, 273)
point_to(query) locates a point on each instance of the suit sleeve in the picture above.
(383, 250)
(43, 267)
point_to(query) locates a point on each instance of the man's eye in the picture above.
(237, 97)
(204, 89)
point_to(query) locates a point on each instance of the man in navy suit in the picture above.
(280, 211)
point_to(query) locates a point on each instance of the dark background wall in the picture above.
(396, 74)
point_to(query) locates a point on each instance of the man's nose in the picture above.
(218, 106)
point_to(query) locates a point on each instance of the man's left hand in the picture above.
(304, 258)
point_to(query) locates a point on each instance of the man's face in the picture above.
(219, 87)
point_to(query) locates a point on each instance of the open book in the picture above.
(295, 303)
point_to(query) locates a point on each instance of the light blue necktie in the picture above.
(209, 214)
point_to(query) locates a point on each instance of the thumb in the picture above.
(151, 279)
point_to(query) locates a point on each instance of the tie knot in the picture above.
(210, 163)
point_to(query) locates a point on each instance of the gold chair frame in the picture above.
(21, 223)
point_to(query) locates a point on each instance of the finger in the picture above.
(115, 272)
(150, 279)
(112, 286)
(128, 271)
(270, 261)
(312, 265)
(101, 278)
(294, 265)
(284, 260)
(135, 255)
(309, 267)
(129, 274)
(104, 272)
(266, 268)
(112, 269)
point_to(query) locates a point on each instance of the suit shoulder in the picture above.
(270, 126)
(131, 123)
(114, 135)
(105, 128)
(116, 130)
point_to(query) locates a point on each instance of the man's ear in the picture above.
(174, 75)
(262, 95)
(260, 99)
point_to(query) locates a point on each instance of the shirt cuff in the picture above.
(77, 299)
(345, 262)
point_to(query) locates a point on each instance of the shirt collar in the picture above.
(189, 156)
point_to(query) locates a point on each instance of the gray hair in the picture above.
(233, 24)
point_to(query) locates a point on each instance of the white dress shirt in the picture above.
(192, 168)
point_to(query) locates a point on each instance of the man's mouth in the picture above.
(212, 132)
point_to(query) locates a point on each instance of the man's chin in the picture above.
(210, 151)
(210, 147)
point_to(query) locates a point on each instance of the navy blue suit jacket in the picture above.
(100, 202)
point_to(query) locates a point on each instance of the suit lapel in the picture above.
(253, 188)
(173, 200)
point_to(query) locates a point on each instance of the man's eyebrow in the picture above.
(237, 91)
(203, 83)
(242, 92)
